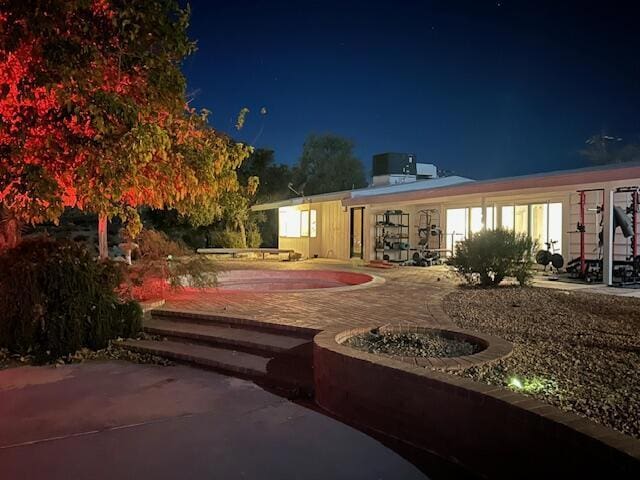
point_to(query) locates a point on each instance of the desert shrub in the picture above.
(56, 298)
(155, 245)
(160, 263)
(489, 256)
(254, 238)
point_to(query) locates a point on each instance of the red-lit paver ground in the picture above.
(408, 295)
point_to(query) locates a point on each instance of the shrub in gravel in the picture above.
(489, 256)
(55, 298)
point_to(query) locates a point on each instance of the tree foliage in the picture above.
(328, 164)
(604, 149)
(274, 178)
(93, 113)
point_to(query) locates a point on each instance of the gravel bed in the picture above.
(410, 344)
(112, 352)
(577, 351)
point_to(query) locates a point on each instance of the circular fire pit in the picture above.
(443, 349)
(413, 344)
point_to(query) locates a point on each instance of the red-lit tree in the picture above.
(93, 114)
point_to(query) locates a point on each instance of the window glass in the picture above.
(304, 223)
(507, 217)
(456, 226)
(313, 227)
(289, 222)
(555, 226)
(489, 218)
(475, 224)
(539, 224)
(521, 219)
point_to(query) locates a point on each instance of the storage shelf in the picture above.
(392, 227)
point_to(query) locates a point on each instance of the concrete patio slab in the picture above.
(109, 420)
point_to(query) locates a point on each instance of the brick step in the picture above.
(227, 336)
(227, 361)
(290, 374)
(233, 321)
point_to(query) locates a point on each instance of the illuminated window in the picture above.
(304, 223)
(313, 227)
(521, 216)
(457, 226)
(289, 222)
(507, 217)
(541, 221)
(475, 216)
(555, 226)
(490, 218)
(539, 224)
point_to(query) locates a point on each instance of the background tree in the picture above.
(604, 149)
(92, 114)
(274, 181)
(328, 164)
(274, 178)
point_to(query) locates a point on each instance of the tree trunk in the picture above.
(103, 246)
(243, 234)
(9, 230)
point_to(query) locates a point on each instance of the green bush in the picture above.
(489, 256)
(155, 245)
(254, 238)
(226, 239)
(56, 298)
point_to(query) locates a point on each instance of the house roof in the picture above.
(561, 178)
(455, 185)
(365, 192)
(325, 197)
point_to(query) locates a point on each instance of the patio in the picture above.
(407, 296)
(123, 421)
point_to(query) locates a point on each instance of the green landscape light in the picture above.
(515, 382)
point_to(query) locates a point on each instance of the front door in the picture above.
(357, 232)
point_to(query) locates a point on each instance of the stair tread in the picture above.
(273, 341)
(210, 356)
(223, 319)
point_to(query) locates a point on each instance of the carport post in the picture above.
(608, 237)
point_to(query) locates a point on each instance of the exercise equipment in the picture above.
(550, 256)
(626, 272)
(429, 249)
(583, 267)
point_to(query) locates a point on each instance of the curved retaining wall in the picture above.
(490, 430)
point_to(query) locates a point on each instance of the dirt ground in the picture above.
(576, 351)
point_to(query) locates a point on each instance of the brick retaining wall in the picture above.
(490, 430)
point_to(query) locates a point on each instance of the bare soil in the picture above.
(577, 351)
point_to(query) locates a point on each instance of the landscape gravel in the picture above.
(410, 344)
(577, 351)
(113, 352)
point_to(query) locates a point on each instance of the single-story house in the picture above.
(408, 207)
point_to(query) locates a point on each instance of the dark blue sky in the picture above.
(483, 88)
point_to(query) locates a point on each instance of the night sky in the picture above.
(482, 88)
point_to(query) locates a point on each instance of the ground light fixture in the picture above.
(515, 383)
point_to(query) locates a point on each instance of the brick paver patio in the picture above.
(409, 295)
